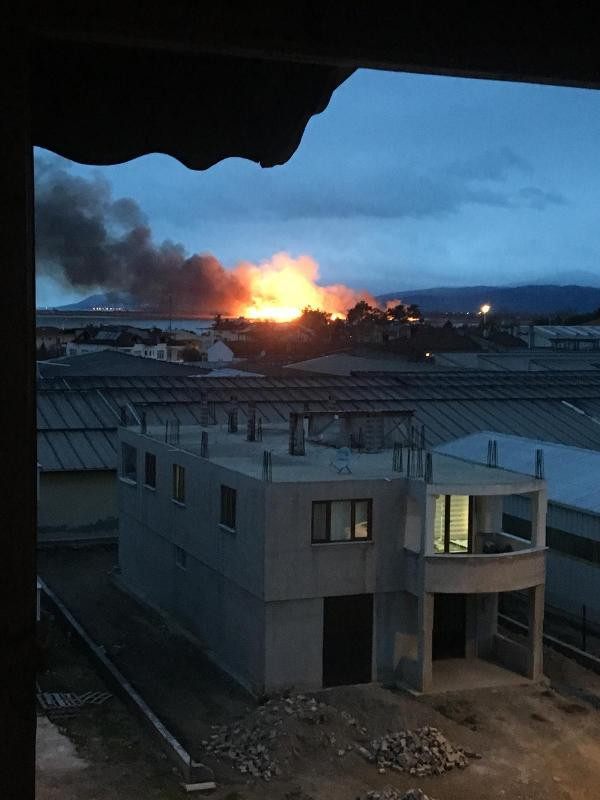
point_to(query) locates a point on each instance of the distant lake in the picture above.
(81, 320)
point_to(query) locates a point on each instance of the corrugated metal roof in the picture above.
(560, 407)
(75, 450)
(572, 473)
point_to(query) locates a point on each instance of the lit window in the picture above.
(128, 462)
(178, 483)
(228, 502)
(341, 520)
(180, 557)
(150, 470)
(452, 530)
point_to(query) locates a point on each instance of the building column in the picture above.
(425, 634)
(487, 623)
(535, 642)
(539, 502)
(427, 524)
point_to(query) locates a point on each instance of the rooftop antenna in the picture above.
(267, 472)
(539, 464)
(397, 463)
(251, 426)
(428, 468)
(492, 453)
(204, 444)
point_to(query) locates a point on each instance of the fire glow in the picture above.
(281, 288)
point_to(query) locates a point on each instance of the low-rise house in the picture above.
(300, 560)
(219, 353)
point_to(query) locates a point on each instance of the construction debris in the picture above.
(249, 744)
(262, 744)
(424, 751)
(65, 702)
(389, 793)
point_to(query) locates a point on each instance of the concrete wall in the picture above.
(289, 623)
(227, 619)
(219, 595)
(77, 504)
(296, 568)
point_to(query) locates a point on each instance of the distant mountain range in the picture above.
(530, 299)
(113, 300)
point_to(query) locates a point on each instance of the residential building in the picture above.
(219, 353)
(328, 551)
(573, 521)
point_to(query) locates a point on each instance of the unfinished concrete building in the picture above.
(334, 550)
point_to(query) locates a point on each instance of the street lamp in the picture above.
(485, 308)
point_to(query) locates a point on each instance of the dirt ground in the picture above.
(101, 752)
(536, 742)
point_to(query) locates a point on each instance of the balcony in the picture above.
(524, 565)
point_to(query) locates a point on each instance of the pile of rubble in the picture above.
(263, 744)
(423, 751)
(249, 744)
(389, 793)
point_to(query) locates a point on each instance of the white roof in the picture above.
(568, 331)
(572, 473)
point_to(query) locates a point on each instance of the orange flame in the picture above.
(282, 287)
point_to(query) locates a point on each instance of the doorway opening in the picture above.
(347, 639)
(449, 626)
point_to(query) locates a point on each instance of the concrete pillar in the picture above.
(539, 502)
(488, 511)
(427, 524)
(425, 634)
(535, 660)
(487, 623)
(471, 614)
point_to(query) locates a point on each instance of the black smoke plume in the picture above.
(88, 240)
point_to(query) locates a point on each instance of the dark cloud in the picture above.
(86, 239)
(539, 199)
(495, 164)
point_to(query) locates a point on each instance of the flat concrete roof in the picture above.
(321, 462)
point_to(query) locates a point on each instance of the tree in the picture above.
(396, 313)
(191, 354)
(362, 312)
(315, 319)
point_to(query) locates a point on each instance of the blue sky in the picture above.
(404, 182)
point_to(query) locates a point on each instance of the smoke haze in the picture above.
(87, 240)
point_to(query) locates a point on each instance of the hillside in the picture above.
(533, 299)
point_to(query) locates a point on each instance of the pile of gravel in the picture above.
(423, 751)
